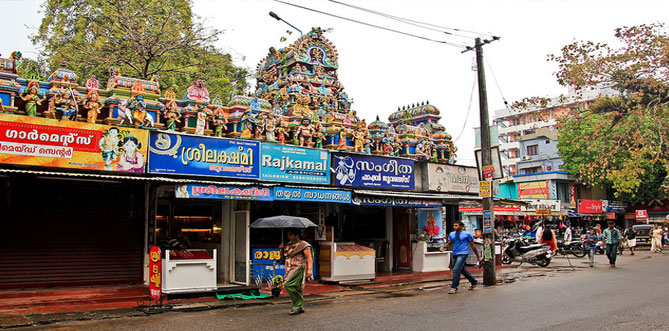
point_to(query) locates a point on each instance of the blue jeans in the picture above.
(458, 269)
(612, 252)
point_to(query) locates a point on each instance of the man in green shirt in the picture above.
(612, 238)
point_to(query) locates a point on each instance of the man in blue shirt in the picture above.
(462, 243)
(612, 239)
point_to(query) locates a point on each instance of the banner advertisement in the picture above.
(537, 205)
(47, 142)
(617, 207)
(193, 155)
(294, 164)
(195, 191)
(451, 178)
(431, 221)
(394, 201)
(373, 171)
(155, 278)
(590, 206)
(572, 195)
(266, 263)
(314, 195)
(485, 189)
(533, 190)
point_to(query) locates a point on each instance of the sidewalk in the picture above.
(47, 306)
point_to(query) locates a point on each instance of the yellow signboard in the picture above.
(47, 142)
(485, 189)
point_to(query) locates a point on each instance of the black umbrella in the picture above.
(282, 222)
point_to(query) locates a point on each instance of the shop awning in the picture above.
(417, 195)
(104, 176)
(573, 215)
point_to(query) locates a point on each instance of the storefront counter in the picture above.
(346, 261)
(424, 261)
(189, 271)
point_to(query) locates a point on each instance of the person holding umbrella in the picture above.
(299, 262)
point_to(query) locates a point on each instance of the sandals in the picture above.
(473, 286)
(296, 311)
(453, 291)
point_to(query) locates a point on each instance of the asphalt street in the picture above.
(632, 296)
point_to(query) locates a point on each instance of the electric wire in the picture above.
(464, 125)
(402, 19)
(374, 25)
(417, 22)
(499, 88)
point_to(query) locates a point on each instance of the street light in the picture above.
(275, 16)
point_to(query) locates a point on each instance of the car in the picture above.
(643, 234)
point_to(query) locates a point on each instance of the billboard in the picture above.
(451, 178)
(197, 155)
(294, 164)
(354, 170)
(44, 142)
(534, 190)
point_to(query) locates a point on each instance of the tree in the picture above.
(620, 142)
(142, 38)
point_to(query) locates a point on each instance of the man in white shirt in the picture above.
(540, 231)
(567, 235)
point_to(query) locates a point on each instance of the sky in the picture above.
(382, 70)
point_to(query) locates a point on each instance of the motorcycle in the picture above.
(519, 250)
(575, 248)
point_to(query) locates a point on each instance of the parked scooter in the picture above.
(519, 250)
(575, 248)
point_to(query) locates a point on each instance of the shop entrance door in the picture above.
(241, 263)
(402, 238)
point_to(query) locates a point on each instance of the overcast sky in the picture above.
(382, 70)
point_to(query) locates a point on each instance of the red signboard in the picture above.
(641, 215)
(155, 272)
(488, 172)
(610, 216)
(590, 206)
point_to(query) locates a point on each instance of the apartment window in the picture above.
(533, 150)
(532, 170)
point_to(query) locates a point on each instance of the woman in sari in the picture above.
(656, 237)
(298, 262)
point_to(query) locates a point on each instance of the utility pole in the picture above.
(489, 276)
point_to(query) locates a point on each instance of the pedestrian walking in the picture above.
(630, 238)
(299, 262)
(540, 230)
(591, 240)
(462, 244)
(612, 238)
(656, 237)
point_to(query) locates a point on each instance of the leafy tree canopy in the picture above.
(142, 38)
(620, 142)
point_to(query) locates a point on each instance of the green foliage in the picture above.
(142, 38)
(620, 142)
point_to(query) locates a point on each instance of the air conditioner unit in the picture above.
(525, 158)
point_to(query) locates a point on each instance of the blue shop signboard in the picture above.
(315, 195)
(265, 263)
(294, 164)
(372, 171)
(192, 155)
(197, 191)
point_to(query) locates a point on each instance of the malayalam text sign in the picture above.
(47, 142)
(195, 191)
(373, 171)
(314, 195)
(195, 155)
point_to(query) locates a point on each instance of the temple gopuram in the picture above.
(298, 100)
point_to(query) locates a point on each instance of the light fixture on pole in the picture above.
(275, 16)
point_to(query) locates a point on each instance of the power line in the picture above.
(375, 26)
(464, 125)
(404, 20)
(499, 88)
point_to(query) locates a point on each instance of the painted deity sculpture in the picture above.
(358, 140)
(270, 127)
(172, 116)
(220, 122)
(32, 98)
(197, 91)
(92, 83)
(201, 120)
(305, 132)
(259, 127)
(93, 106)
(67, 106)
(137, 108)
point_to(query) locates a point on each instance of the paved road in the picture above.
(632, 296)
